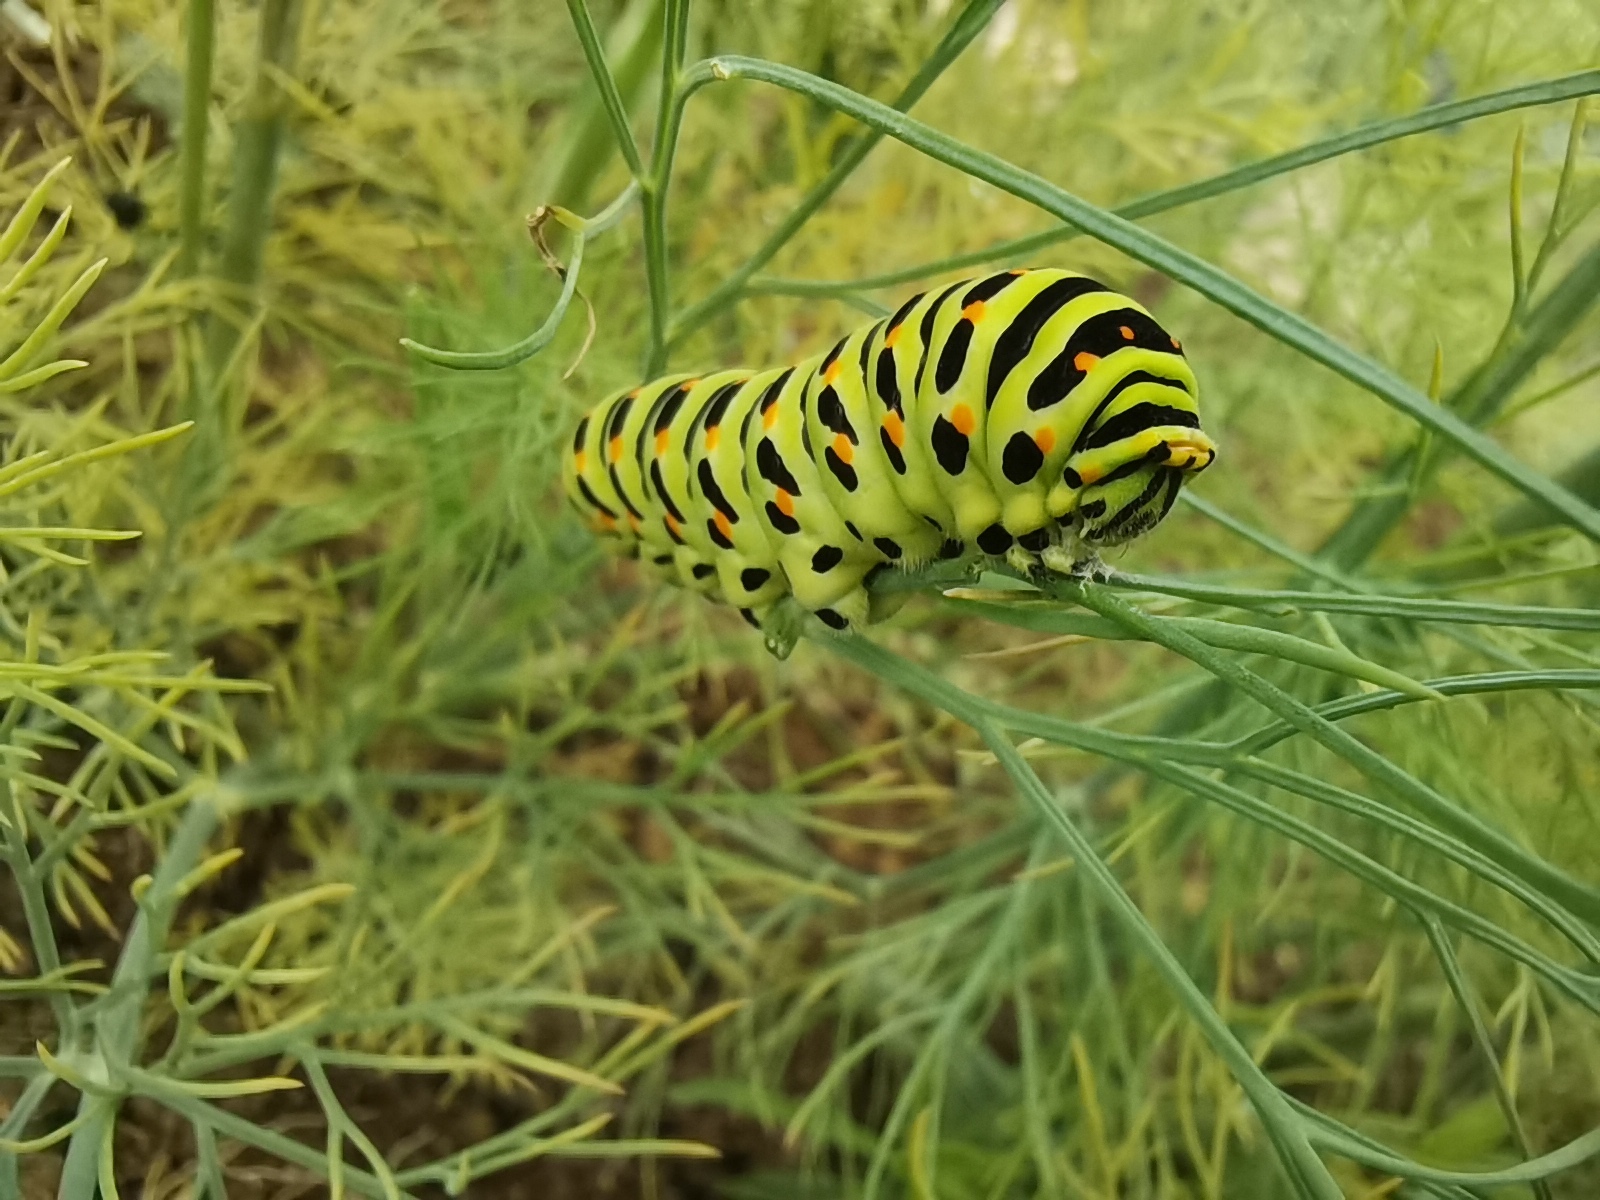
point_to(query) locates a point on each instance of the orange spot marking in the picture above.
(832, 372)
(961, 417)
(1175, 344)
(673, 524)
(633, 523)
(893, 336)
(843, 448)
(785, 503)
(713, 436)
(689, 383)
(633, 395)
(1045, 439)
(974, 311)
(1018, 271)
(615, 449)
(608, 524)
(579, 459)
(724, 526)
(1127, 334)
(770, 417)
(663, 440)
(895, 428)
(1090, 475)
(1085, 361)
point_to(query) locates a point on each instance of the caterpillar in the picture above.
(1035, 414)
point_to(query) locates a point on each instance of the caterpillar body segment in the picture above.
(1035, 414)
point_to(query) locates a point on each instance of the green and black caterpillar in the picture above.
(1035, 414)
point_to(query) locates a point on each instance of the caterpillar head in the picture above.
(1132, 499)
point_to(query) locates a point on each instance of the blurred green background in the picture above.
(578, 891)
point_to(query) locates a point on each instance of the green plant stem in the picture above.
(1161, 255)
(971, 22)
(258, 146)
(612, 104)
(117, 1023)
(1305, 1169)
(196, 124)
(36, 912)
(653, 198)
(1284, 603)
(1467, 999)
(1580, 898)
(15, 1122)
(1438, 116)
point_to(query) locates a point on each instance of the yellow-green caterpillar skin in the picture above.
(1035, 414)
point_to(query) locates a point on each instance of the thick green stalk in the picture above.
(117, 1027)
(967, 26)
(202, 33)
(258, 145)
(1277, 322)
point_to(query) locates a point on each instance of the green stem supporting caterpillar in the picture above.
(1035, 414)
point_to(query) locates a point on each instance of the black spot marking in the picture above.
(577, 438)
(710, 414)
(854, 532)
(988, 289)
(1099, 335)
(665, 560)
(627, 503)
(750, 618)
(889, 383)
(714, 531)
(1072, 479)
(842, 471)
(1092, 509)
(994, 540)
(888, 547)
(614, 423)
(752, 578)
(830, 411)
(1013, 345)
(1137, 419)
(950, 446)
(770, 464)
(669, 409)
(662, 494)
(896, 459)
(781, 521)
(714, 493)
(594, 501)
(952, 548)
(832, 619)
(954, 355)
(1022, 459)
(864, 360)
(1036, 541)
(932, 522)
(699, 570)
(826, 559)
(833, 356)
(925, 330)
(673, 533)
(901, 313)
(770, 396)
